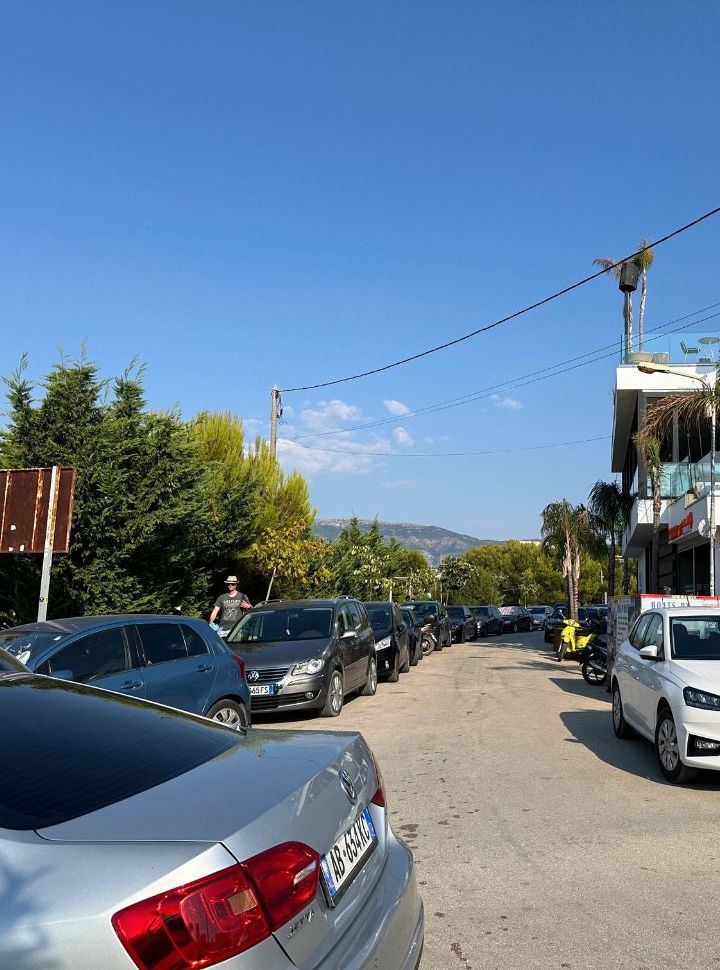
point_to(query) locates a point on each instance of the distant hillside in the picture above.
(431, 540)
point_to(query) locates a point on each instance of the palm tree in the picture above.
(643, 261)
(615, 269)
(566, 529)
(648, 448)
(608, 508)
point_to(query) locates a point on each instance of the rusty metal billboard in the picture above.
(24, 504)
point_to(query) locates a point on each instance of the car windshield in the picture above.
(408, 616)
(696, 637)
(282, 624)
(424, 608)
(538, 609)
(26, 646)
(380, 617)
(480, 610)
(456, 612)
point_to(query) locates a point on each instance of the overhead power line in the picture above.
(523, 380)
(511, 316)
(448, 454)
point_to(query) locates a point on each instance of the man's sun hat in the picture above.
(231, 579)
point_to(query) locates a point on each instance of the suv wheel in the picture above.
(371, 683)
(428, 644)
(668, 751)
(394, 674)
(230, 713)
(335, 696)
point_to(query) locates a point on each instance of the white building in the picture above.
(684, 536)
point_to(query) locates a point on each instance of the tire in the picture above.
(427, 644)
(335, 696)
(370, 688)
(405, 669)
(417, 653)
(230, 713)
(546, 638)
(394, 676)
(592, 676)
(620, 726)
(461, 638)
(438, 645)
(668, 753)
(514, 628)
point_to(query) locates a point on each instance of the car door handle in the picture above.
(132, 684)
(203, 668)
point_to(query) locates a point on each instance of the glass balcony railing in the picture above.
(683, 476)
(701, 348)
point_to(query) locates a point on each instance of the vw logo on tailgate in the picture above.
(348, 787)
(253, 675)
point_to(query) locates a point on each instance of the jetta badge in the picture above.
(253, 675)
(348, 787)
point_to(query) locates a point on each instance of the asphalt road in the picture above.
(540, 839)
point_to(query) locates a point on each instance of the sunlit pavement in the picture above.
(540, 840)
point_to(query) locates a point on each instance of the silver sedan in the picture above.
(133, 835)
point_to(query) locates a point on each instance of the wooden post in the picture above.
(49, 542)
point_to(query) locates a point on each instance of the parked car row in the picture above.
(160, 839)
(593, 619)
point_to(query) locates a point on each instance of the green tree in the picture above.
(454, 573)
(610, 511)
(566, 530)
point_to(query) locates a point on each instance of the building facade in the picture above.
(684, 538)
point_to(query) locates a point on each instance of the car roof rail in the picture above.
(344, 596)
(265, 602)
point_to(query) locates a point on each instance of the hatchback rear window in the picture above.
(69, 750)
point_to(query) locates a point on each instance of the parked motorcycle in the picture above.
(594, 664)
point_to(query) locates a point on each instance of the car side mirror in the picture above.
(63, 674)
(650, 652)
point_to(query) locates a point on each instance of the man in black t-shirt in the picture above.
(230, 606)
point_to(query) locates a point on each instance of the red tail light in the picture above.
(219, 916)
(379, 796)
(241, 664)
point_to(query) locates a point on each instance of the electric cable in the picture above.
(449, 454)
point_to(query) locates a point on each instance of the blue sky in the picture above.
(250, 193)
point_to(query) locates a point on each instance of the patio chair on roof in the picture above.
(688, 350)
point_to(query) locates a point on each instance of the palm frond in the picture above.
(609, 264)
(690, 406)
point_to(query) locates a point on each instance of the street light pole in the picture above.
(650, 368)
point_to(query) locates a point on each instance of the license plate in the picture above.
(346, 858)
(262, 690)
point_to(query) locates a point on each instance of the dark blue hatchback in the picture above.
(174, 660)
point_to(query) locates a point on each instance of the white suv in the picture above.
(666, 686)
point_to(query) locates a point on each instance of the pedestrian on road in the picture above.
(230, 606)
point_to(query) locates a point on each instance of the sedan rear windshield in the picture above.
(456, 612)
(69, 750)
(27, 646)
(424, 608)
(537, 609)
(283, 624)
(380, 617)
(480, 610)
(696, 637)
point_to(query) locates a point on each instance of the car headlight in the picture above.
(308, 667)
(699, 698)
(383, 644)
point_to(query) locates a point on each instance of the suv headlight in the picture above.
(383, 644)
(308, 667)
(699, 698)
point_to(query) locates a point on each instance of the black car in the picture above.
(516, 618)
(462, 623)
(489, 620)
(392, 643)
(307, 654)
(414, 626)
(589, 622)
(436, 618)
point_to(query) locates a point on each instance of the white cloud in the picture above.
(335, 455)
(401, 483)
(402, 437)
(397, 408)
(328, 414)
(510, 403)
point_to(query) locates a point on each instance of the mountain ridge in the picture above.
(433, 541)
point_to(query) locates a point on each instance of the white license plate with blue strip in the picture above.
(345, 859)
(262, 690)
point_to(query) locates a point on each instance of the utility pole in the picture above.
(49, 543)
(275, 411)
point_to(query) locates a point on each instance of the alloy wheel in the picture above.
(336, 693)
(667, 743)
(229, 717)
